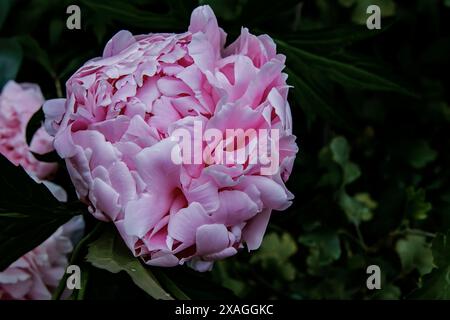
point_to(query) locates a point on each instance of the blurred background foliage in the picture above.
(371, 113)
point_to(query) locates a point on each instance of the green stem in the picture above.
(58, 87)
(420, 233)
(353, 238)
(360, 237)
(170, 285)
(74, 257)
(84, 280)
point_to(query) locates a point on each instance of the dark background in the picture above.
(371, 114)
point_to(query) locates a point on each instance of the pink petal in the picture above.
(203, 20)
(225, 253)
(156, 167)
(235, 207)
(211, 238)
(253, 232)
(54, 110)
(118, 42)
(272, 194)
(163, 259)
(106, 198)
(143, 214)
(184, 224)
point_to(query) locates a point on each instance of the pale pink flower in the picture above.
(18, 103)
(114, 132)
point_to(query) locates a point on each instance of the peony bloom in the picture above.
(18, 103)
(36, 274)
(115, 131)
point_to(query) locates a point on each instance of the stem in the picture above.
(59, 92)
(84, 280)
(353, 238)
(174, 290)
(74, 257)
(298, 16)
(360, 237)
(420, 233)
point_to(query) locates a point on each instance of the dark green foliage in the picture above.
(29, 213)
(10, 59)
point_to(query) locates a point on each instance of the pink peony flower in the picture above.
(18, 103)
(36, 274)
(115, 132)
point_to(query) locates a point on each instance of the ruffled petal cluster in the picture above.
(18, 103)
(115, 131)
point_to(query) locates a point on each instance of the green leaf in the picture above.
(436, 285)
(311, 100)
(366, 199)
(33, 51)
(441, 250)
(359, 207)
(333, 171)
(171, 286)
(20, 193)
(355, 209)
(324, 248)
(5, 6)
(55, 30)
(335, 38)
(415, 253)
(346, 74)
(110, 253)
(127, 13)
(340, 150)
(29, 213)
(351, 172)
(10, 59)
(274, 254)
(222, 270)
(420, 154)
(416, 205)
